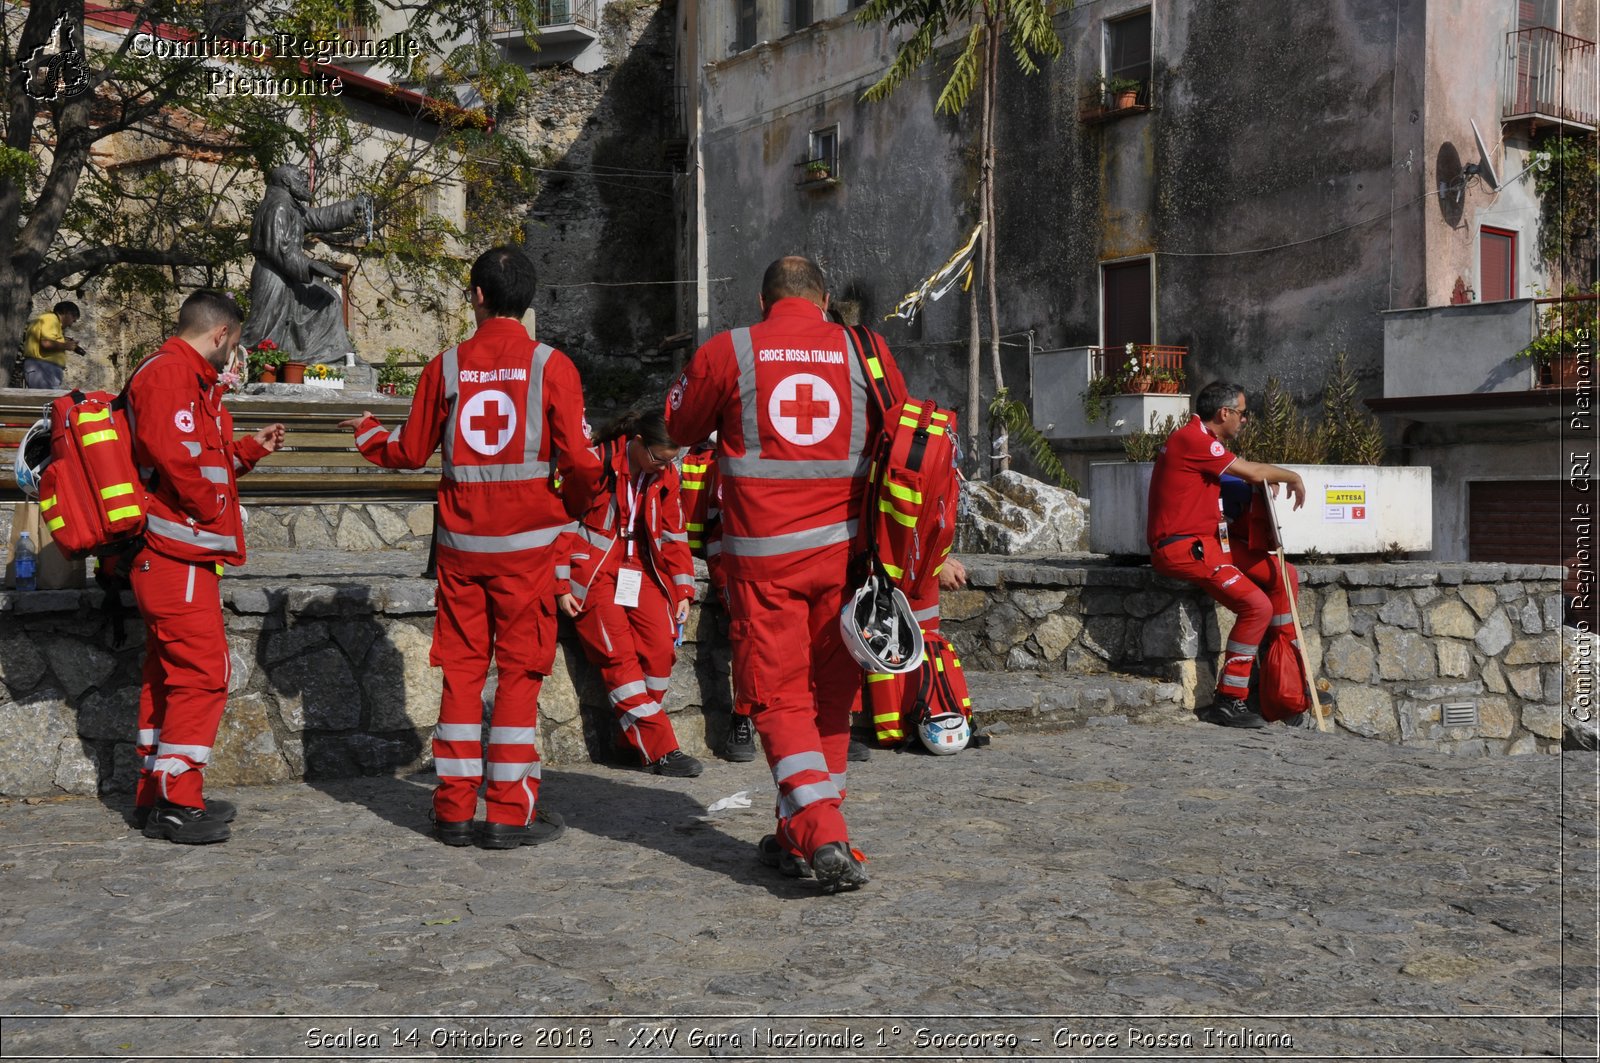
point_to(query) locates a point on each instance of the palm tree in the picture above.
(1028, 26)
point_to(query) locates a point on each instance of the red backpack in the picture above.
(912, 488)
(90, 495)
(1281, 677)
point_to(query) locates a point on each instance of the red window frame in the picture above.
(1497, 264)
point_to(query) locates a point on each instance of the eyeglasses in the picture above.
(660, 461)
(1239, 411)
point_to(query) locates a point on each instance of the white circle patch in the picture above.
(1217, 449)
(804, 409)
(488, 421)
(184, 419)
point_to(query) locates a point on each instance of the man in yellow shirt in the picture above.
(45, 346)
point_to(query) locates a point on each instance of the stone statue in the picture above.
(287, 305)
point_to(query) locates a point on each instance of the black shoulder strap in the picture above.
(864, 343)
(609, 478)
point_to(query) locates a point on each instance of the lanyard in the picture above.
(635, 489)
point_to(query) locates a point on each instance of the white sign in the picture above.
(1345, 503)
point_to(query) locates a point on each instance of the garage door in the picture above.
(1526, 523)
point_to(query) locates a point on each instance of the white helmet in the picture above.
(944, 733)
(879, 629)
(33, 454)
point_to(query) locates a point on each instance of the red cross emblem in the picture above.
(488, 421)
(804, 408)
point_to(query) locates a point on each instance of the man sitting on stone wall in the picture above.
(1188, 537)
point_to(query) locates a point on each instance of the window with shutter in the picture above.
(1125, 293)
(1497, 264)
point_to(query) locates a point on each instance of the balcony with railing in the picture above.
(1441, 361)
(1550, 79)
(1095, 392)
(559, 22)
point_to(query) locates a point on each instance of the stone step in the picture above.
(1057, 701)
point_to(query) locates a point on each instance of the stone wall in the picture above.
(328, 679)
(374, 526)
(330, 674)
(1396, 642)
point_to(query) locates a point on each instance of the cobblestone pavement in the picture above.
(1117, 891)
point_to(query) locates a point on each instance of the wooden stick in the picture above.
(1314, 706)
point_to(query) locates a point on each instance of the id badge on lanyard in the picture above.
(630, 577)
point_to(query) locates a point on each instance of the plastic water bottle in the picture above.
(27, 562)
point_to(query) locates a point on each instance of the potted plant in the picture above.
(1122, 93)
(393, 378)
(1166, 381)
(1135, 374)
(324, 376)
(818, 170)
(291, 371)
(1566, 334)
(264, 360)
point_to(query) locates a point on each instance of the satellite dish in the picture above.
(1484, 167)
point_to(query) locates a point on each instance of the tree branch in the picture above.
(97, 258)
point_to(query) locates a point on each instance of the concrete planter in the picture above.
(1349, 510)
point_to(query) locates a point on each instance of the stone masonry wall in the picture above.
(328, 679)
(331, 675)
(1396, 642)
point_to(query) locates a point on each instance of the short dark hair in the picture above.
(1214, 396)
(66, 307)
(793, 277)
(507, 279)
(205, 309)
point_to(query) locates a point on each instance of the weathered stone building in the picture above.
(1285, 180)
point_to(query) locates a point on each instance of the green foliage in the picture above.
(1019, 425)
(1344, 434)
(1029, 27)
(1096, 406)
(1353, 436)
(393, 372)
(1143, 445)
(1279, 434)
(175, 212)
(1567, 327)
(1568, 211)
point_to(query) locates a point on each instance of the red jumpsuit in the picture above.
(500, 405)
(184, 446)
(702, 516)
(634, 525)
(1185, 513)
(788, 398)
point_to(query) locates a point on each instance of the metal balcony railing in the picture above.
(554, 13)
(1153, 360)
(1550, 75)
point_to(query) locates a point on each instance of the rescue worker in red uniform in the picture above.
(183, 444)
(788, 399)
(504, 408)
(1188, 540)
(627, 579)
(702, 521)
